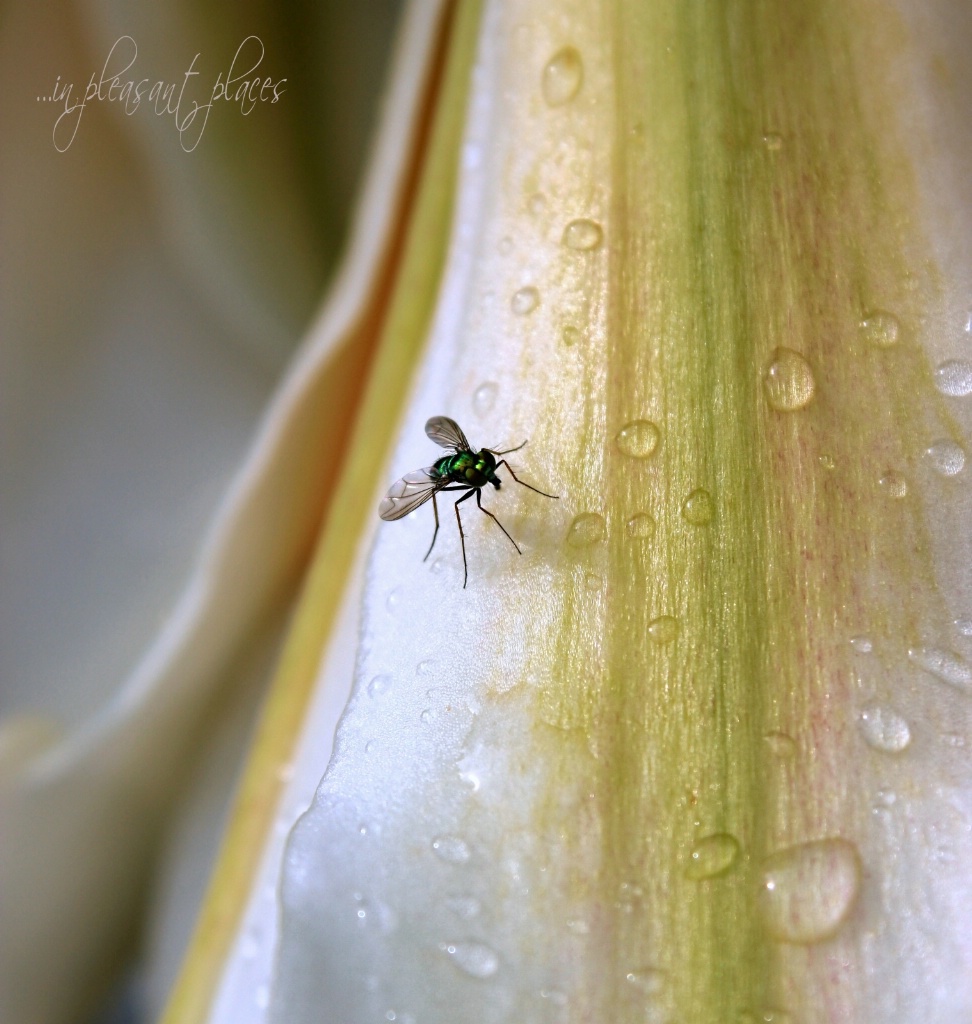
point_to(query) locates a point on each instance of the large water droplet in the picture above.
(586, 529)
(946, 457)
(583, 235)
(954, 377)
(884, 729)
(788, 382)
(451, 849)
(638, 439)
(663, 630)
(880, 329)
(894, 484)
(712, 856)
(808, 890)
(562, 77)
(525, 300)
(947, 666)
(698, 508)
(484, 398)
(640, 525)
(475, 958)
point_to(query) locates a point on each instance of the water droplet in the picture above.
(379, 685)
(638, 439)
(764, 1016)
(640, 525)
(698, 508)
(583, 235)
(571, 335)
(586, 529)
(475, 958)
(484, 398)
(946, 457)
(827, 461)
(393, 600)
(881, 329)
(425, 668)
(884, 730)
(808, 890)
(663, 630)
(562, 77)
(781, 745)
(954, 378)
(788, 381)
(650, 980)
(525, 300)
(773, 141)
(466, 907)
(862, 644)
(893, 484)
(964, 626)
(712, 856)
(427, 716)
(578, 926)
(947, 666)
(451, 849)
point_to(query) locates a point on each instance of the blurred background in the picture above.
(150, 300)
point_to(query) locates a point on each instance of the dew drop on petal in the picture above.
(663, 630)
(884, 729)
(947, 666)
(525, 300)
(827, 461)
(781, 745)
(954, 378)
(698, 508)
(712, 856)
(862, 644)
(640, 525)
(649, 980)
(484, 398)
(451, 849)
(964, 626)
(788, 381)
(474, 958)
(773, 141)
(893, 484)
(586, 529)
(379, 685)
(880, 329)
(583, 235)
(638, 439)
(562, 77)
(767, 1015)
(807, 891)
(946, 457)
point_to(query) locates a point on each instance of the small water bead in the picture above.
(451, 849)
(808, 891)
(393, 600)
(570, 335)
(586, 529)
(827, 461)
(484, 398)
(862, 644)
(884, 730)
(894, 484)
(562, 77)
(773, 141)
(712, 856)
(765, 1016)
(638, 439)
(947, 666)
(583, 235)
(698, 508)
(663, 630)
(649, 980)
(466, 907)
(954, 378)
(788, 382)
(525, 300)
(475, 958)
(946, 457)
(640, 525)
(781, 745)
(379, 685)
(880, 329)
(964, 626)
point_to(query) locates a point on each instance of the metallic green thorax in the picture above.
(474, 469)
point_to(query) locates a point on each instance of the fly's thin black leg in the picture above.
(435, 533)
(462, 536)
(495, 520)
(508, 450)
(503, 462)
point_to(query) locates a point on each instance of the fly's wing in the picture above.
(447, 433)
(407, 494)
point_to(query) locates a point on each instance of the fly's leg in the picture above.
(503, 462)
(435, 533)
(507, 451)
(495, 520)
(462, 536)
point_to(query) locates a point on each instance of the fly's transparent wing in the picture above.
(447, 433)
(407, 494)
